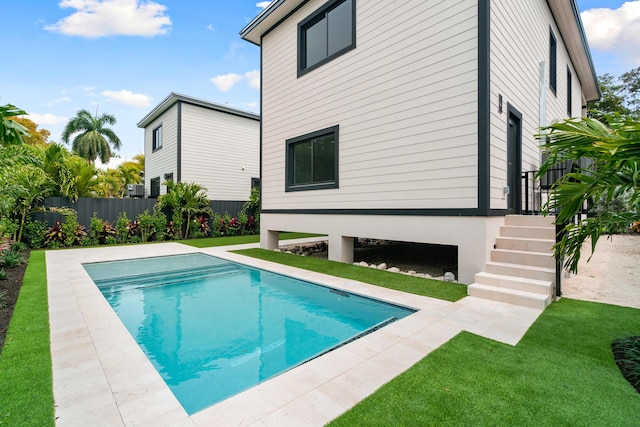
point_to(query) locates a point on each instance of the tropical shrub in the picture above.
(74, 232)
(11, 259)
(54, 237)
(184, 201)
(34, 233)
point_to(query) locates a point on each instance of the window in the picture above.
(168, 177)
(569, 94)
(255, 183)
(312, 161)
(553, 64)
(155, 188)
(157, 139)
(327, 34)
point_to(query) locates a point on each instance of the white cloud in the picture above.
(57, 101)
(254, 78)
(210, 27)
(128, 98)
(263, 4)
(46, 119)
(614, 30)
(99, 18)
(226, 81)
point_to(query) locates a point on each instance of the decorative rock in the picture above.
(449, 277)
(394, 270)
(373, 266)
(288, 252)
(420, 275)
(411, 272)
(363, 264)
(382, 266)
(277, 250)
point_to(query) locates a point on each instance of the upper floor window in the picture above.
(553, 62)
(312, 161)
(326, 34)
(157, 139)
(569, 92)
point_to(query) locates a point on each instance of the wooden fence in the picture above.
(109, 209)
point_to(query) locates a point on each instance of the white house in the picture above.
(410, 121)
(191, 140)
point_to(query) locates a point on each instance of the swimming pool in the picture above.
(213, 328)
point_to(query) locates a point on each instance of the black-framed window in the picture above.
(312, 160)
(553, 62)
(155, 188)
(168, 177)
(255, 182)
(157, 139)
(569, 91)
(328, 33)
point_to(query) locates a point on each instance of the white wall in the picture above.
(519, 42)
(220, 151)
(164, 160)
(405, 100)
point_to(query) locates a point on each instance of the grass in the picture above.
(26, 397)
(562, 373)
(239, 240)
(415, 285)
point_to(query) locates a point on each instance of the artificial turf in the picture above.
(420, 286)
(562, 373)
(26, 387)
(239, 240)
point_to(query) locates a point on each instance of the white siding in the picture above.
(220, 151)
(405, 100)
(164, 160)
(519, 42)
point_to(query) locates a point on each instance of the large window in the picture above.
(553, 62)
(312, 161)
(569, 91)
(157, 139)
(328, 33)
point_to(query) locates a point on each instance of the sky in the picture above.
(123, 57)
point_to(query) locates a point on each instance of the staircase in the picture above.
(522, 269)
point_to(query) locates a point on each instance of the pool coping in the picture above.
(101, 376)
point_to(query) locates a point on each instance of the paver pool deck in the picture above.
(102, 377)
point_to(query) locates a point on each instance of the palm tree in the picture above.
(92, 139)
(185, 200)
(613, 172)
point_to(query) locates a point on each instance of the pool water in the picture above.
(213, 328)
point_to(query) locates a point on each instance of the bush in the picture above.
(95, 229)
(626, 352)
(74, 232)
(54, 237)
(34, 233)
(11, 259)
(122, 228)
(8, 227)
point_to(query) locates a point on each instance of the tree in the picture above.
(185, 200)
(79, 178)
(36, 136)
(613, 171)
(11, 132)
(92, 139)
(631, 81)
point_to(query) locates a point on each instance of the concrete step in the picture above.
(538, 259)
(526, 271)
(542, 287)
(528, 244)
(528, 232)
(529, 220)
(511, 296)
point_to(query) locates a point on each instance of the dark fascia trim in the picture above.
(179, 143)
(335, 130)
(399, 212)
(484, 106)
(498, 212)
(284, 18)
(321, 11)
(585, 43)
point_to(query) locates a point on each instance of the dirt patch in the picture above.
(10, 288)
(611, 276)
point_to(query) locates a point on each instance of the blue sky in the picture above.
(123, 57)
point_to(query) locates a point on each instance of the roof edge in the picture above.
(174, 97)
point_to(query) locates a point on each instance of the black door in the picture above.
(514, 160)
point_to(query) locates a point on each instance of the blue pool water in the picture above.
(213, 328)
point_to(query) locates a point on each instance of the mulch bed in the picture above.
(11, 288)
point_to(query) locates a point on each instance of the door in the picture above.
(514, 160)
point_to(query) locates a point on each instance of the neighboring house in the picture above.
(191, 140)
(410, 121)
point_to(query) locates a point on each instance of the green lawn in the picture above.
(561, 374)
(416, 285)
(26, 391)
(239, 240)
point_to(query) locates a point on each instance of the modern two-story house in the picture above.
(410, 121)
(192, 140)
